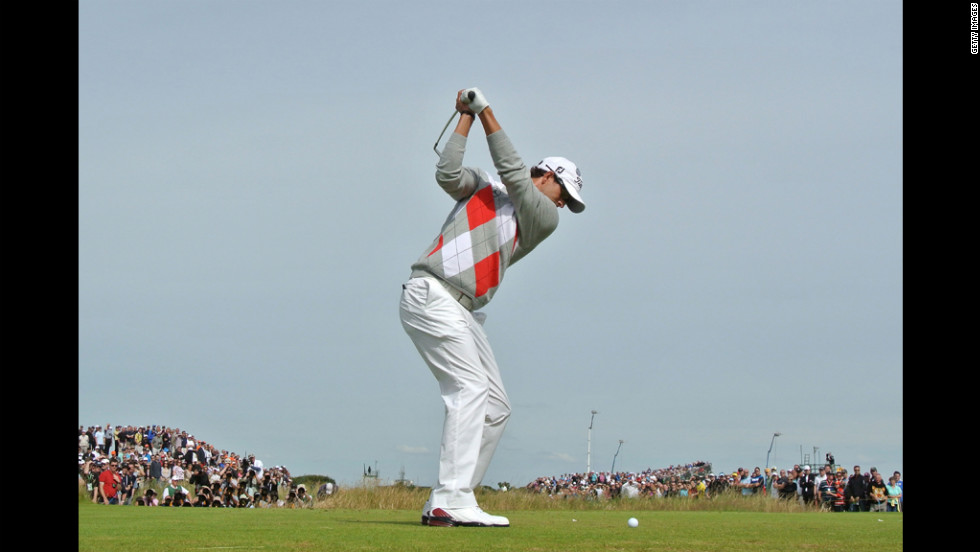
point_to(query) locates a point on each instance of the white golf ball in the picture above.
(633, 522)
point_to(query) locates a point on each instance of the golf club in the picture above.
(435, 146)
(466, 98)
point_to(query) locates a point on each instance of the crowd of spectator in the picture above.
(163, 466)
(831, 487)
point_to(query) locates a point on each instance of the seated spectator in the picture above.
(203, 497)
(173, 490)
(180, 500)
(127, 484)
(305, 500)
(149, 498)
(325, 490)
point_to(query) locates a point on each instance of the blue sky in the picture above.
(255, 178)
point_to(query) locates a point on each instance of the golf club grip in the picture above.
(468, 97)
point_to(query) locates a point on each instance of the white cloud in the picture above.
(562, 456)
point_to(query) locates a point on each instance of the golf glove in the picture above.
(474, 98)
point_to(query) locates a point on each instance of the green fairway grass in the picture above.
(104, 528)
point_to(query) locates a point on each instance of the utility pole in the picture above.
(588, 465)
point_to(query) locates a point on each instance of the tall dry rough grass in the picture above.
(412, 498)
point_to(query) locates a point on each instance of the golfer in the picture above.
(493, 225)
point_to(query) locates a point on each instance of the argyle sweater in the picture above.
(493, 225)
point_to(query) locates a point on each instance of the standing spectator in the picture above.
(137, 437)
(190, 456)
(156, 443)
(148, 435)
(838, 489)
(877, 492)
(772, 476)
(857, 491)
(825, 490)
(786, 486)
(806, 483)
(819, 479)
(758, 481)
(166, 443)
(83, 444)
(109, 481)
(107, 436)
(894, 493)
(100, 440)
(93, 445)
(899, 482)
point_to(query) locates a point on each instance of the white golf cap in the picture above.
(569, 177)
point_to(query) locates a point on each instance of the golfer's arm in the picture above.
(464, 123)
(489, 122)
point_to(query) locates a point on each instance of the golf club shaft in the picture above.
(435, 146)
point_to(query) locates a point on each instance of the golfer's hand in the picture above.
(460, 106)
(475, 101)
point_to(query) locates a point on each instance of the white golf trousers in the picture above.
(452, 342)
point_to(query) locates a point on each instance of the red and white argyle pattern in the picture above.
(468, 248)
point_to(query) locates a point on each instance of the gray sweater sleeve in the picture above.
(537, 216)
(457, 181)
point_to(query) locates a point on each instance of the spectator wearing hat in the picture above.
(174, 489)
(304, 498)
(894, 493)
(325, 490)
(806, 483)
